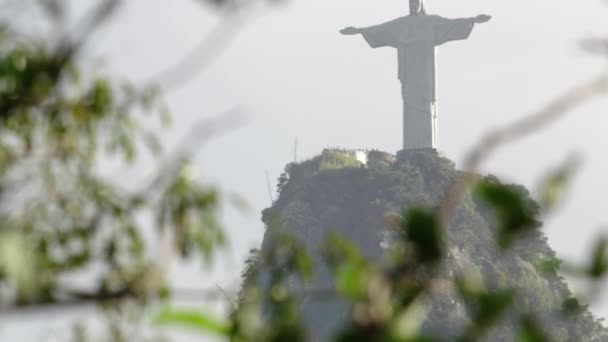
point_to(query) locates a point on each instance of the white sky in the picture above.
(297, 77)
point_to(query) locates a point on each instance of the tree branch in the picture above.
(556, 109)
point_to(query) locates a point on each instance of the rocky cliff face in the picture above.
(354, 201)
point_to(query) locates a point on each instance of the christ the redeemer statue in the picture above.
(415, 38)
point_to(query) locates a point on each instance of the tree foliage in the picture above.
(60, 216)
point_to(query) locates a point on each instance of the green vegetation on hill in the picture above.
(494, 277)
(332, 160)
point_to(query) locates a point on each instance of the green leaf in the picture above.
(572, 306)
(338, 251)
(423, 231)
(486, 307)
(530, 331)
(491, 306)
(351, 280)
(18, 262)
(547, 265)
(100, 100)
(515, 215)
(193, 319)
(599, 259)
(304, 265)
(553, 187)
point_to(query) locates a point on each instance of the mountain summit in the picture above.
(354, 194)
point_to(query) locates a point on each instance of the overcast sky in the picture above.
(295, 76)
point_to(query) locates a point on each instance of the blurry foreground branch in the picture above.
(553, 111)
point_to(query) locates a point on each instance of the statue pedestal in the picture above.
(415, 152)
(423, 156)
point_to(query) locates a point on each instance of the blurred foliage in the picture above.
(60, 217)
(191, 318)
(270, 313)
(515, 214)
(553, 187)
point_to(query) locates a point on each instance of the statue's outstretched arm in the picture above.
(482, 18)
(376, 35)
(350, 30)
(448, 30)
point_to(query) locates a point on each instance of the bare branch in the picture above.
(205, 52)
(200, 132)
(69, 46)
(532, 123)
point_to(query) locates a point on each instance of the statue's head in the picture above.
(417, 7)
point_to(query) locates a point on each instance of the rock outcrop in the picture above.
(354, 200)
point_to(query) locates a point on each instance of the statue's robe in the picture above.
(415, 38)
